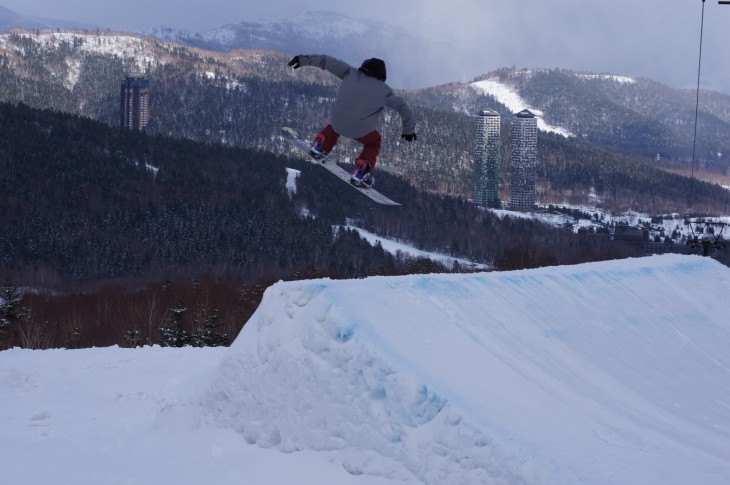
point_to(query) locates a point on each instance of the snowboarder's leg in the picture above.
(324, 142)
(368, 158)
(371, 148)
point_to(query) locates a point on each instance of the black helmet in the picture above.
(374, 67)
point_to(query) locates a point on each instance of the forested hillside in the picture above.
(83, 205)
(171, 235)
(92, 201)
(242, 98)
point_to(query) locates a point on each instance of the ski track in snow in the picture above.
(394, 247)
(602, 373)
(514, 102)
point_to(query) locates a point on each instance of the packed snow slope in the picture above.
(605, 373)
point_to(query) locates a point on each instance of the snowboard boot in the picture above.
(315, 149)
(361, 177)
(368, 180)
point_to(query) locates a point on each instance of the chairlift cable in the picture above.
(697, 109)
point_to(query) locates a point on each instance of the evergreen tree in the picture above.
(208, 330)
(10, 304)
(74, 338)
(133, 337)
(173, 334)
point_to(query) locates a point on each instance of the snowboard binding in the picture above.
(363, 181)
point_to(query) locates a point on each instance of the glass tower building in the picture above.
(523, 160)
(487, 159)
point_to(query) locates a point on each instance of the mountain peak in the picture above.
(10, 19)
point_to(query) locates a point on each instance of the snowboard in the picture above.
(329, 163)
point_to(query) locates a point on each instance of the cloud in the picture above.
(653, 39)
(657, 39)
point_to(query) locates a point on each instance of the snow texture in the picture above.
(138, 50)
(612, 372)
(608, 77)
(291, 181)
(395, 247)
(510, 97)
(602, 373)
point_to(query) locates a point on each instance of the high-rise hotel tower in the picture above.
(135, 100)
(524, 160)
(486, 159)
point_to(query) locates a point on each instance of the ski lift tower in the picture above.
(706, 232)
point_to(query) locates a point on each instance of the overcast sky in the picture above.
(658, 39)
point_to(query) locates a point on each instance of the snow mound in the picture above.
(612, 372)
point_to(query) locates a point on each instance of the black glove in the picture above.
(295, 62)
(411, 137)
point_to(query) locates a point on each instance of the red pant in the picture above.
(371, 144)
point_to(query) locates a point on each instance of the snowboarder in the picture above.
(361, 98)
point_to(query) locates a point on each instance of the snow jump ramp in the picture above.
(605, 373)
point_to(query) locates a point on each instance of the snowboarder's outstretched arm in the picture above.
(328, 63)
(406, 113)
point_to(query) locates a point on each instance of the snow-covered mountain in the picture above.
(633, 114)
(79, 72)
(10, 19)
(602, 373)
(413, 61)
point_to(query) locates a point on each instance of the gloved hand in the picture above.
(411, 137)
(295, 62)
